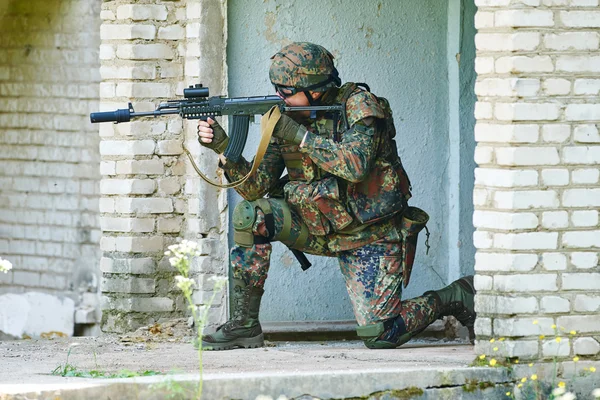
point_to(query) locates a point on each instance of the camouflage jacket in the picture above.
(348, 188)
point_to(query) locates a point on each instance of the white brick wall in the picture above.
(147, 203)
(49, 180)
(536, 187)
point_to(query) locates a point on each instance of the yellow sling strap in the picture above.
(267, 125)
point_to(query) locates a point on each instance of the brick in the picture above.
(527, 111)
(169, 225)
(483, 283)
(584, 260)
(484, 20)
(145, 304)
(551, 348)
(483, 110)
(581, 323)
(572, 41)
(127, 265)
(137, 244)
(581, 240)
(584, 3)
(480, 197)
(127, 285)
(586, 303)
(127, 32)
(142, 12)
(578, 63)
(127, 147)
(522, 200)
(554, 261)
(492, 3)
(107, 205)
(587, 87)
(145, 167)
(505, 221)
(127, 224)
(484, 65)
(107, 168)
(524, 18)
(483, 326)
(585, 176)
(584, 218)
(145, 52)
(586, 346)
(526, 156)
(506, 178)
(505, 305)
(143, 205)
(108, 243)
(127, 186)
(142, 128)
(520, 64)
(169, 186)
(526, 241)
(555, 177)
(128, 72)
(483, 155)
(586, 134)
(556, 87)
(506, 133)
(508, 262)
(525, 283)
(581, 198)
(581, 155)
(522, 41)
(554, 305)
(580, 19)
(172, 32)
(144, 90)
(581, 281)
(524, 349)
(169, 147)
(555, 219)
(523, 327)
(556, 133)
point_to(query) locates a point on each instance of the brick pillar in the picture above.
(536, 186)
(150, 194)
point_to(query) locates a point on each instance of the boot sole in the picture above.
(243, 343)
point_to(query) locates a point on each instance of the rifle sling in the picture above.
(267, 125)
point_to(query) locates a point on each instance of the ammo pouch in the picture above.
(319, 205)
(412, 222)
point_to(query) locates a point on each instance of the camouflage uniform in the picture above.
(342, 197)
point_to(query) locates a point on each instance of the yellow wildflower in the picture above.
(493, 362)
(508, 394)
(553, 326)
(542, 337)
(501, 339)
(573, 332)
(593, 369)
(558, 339)
(561, 384)
(520, 385)
(524, 380)
(575, 359)
(531, 364)
(535, 321)
(516, 361)
(495, 349)
(534, 377)
(492, 340)
(482, 357)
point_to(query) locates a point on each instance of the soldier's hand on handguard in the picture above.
(289, 130)
(212, 135)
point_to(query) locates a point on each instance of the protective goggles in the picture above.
(286, 91)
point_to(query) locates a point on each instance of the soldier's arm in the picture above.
(266, 176)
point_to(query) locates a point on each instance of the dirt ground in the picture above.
(167, 348)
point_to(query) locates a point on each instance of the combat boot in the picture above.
(243, 329)
(458, 300)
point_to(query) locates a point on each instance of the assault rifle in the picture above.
(198, 105)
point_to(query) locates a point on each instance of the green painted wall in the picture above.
(400, 49)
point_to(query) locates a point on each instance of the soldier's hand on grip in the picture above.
(212, 135)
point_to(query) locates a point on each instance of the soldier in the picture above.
(344, 196)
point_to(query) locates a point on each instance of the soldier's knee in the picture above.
(243, 218)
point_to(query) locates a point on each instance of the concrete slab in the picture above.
(309, 370)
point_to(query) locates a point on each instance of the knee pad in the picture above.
(243, 218)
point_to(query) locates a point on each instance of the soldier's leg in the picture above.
(374, 282)
(256, 224)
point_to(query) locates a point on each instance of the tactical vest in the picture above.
(324, 200)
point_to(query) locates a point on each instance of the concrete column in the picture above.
(151, 196)
(536, 186)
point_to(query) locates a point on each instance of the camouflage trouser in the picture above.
(372, 274)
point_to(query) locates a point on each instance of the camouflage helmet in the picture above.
(305, 66)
